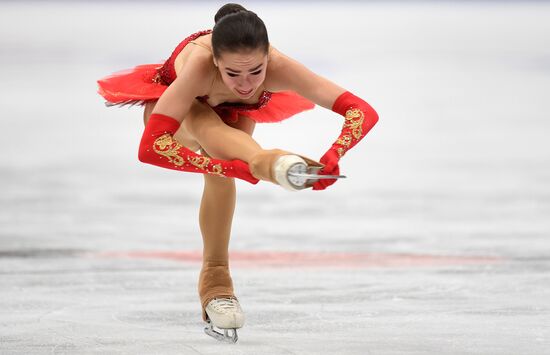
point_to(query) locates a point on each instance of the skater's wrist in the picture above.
(332, 154)
(241, 170)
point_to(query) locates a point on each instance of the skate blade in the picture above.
(302, 176)
(316, 176)
(223, 337)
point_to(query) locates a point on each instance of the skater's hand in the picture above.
(330, 160)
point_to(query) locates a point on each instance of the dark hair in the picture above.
(236, 29)
(228, 9)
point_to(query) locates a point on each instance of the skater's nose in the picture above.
(245, 83)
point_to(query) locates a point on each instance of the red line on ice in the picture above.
(312, 259)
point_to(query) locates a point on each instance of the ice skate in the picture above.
(292, 172)
(225, 314)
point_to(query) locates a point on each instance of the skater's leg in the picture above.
(218, 203)
(203, 127)
(219, 139)
(225, 142)
(217, 208)
(215, 219)
(216, 215)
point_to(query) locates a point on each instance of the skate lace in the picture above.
(225, 305)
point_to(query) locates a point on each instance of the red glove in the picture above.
(330, 160)
(360, 117)
(158, 147)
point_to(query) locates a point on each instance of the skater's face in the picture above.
(243, 72)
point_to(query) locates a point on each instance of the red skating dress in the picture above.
(147, 82)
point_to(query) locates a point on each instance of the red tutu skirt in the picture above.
(143, 83)
(132, 86)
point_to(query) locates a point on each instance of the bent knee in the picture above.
(244, 123)
(201, 119)
(183, 137)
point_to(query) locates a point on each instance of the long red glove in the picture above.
(158, 147)
(360, 117)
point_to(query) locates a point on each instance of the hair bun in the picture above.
(228, 9)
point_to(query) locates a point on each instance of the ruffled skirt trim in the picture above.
(132, 86)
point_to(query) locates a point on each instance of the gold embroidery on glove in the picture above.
(345, 140)
(200, 162)
(354, 121)
(167, 147)
(340, 152)
(217, 170)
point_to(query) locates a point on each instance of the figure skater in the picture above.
(207, 97)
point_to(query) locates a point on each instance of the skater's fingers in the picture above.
(323, 184)
(330, 160)
(318, 186)
(328, 168)
(331, 168)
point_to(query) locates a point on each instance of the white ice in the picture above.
(459, 165)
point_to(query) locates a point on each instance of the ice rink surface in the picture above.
(437, 243)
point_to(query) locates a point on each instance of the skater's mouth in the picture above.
(244, 93)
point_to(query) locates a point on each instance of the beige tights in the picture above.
(202, 127)
(215, 219)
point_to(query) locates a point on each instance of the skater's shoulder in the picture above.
(204, 42)
(279, 62)
(276, 63)
(281, 70)
(197, 59)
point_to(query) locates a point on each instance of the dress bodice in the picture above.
(167, 72)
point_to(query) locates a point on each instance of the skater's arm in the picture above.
(176, 102)
(193, 80)
(360, 117)
(285, 73)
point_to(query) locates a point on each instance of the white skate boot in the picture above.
(294, 172)
(290, 171)
(225, 314)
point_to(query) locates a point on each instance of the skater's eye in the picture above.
(232, 75)
(256, 72)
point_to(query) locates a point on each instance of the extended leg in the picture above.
(233, 146)
(226, 142)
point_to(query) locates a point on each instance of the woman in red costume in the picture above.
(208, 96)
